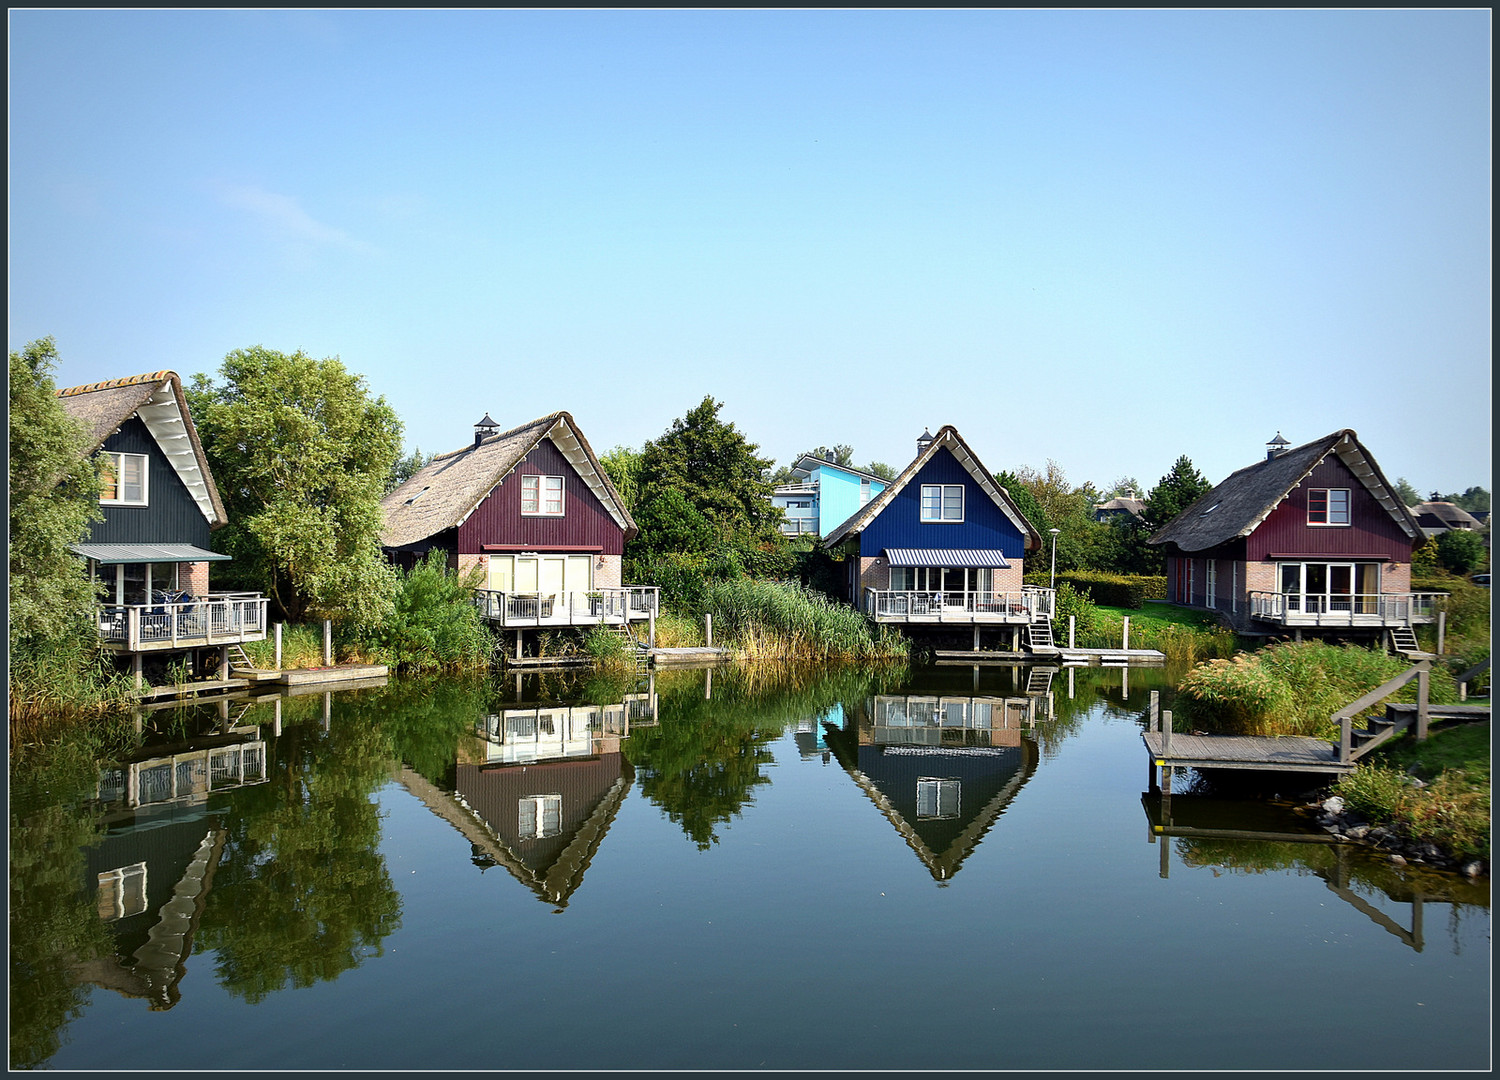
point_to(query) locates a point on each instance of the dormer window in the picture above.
(122, 479)
(1328, 506)
(1210, 510)
(418, 495)
(542, 496)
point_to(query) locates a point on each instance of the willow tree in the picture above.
(301, 452)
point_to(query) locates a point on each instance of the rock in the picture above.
(1472, 869)
(1358, 832)
(1334, 805)
(1397, 860)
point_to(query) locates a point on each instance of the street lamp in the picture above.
(1054, 533)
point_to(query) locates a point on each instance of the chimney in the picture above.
(484, 429)
(923, 441)
(1276, 447)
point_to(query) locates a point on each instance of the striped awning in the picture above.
(953, 558)
(143, 553)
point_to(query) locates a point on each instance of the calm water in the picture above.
(924, 870)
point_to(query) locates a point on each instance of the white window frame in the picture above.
(122, 892)
(939, 797)
(947, 495)
(540, 816)
(1329, 510)
(117, 465)
(536, 491)
(1210, 582)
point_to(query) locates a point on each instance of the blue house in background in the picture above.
(944, 546)
(822, 493)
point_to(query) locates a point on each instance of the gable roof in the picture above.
(948, 439)
(444, 492)
(1123, 504)
(1238, 505)
(158, 400)
(807, 463)
(1440, 515)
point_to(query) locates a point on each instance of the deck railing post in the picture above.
(1424, 673)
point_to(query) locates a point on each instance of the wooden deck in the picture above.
(1285, 753)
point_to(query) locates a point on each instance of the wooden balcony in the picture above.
(608, 607)
(1372, 610)
(186, 623)
(1016, 608)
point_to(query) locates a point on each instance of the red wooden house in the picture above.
(1313, 537)
(535, 512)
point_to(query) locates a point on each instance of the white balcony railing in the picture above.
(1018, 606)
(630, 603)
(1345, 609)
(799, 526)
(216, 619)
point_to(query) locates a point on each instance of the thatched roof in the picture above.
(948, 439)
(1238, 505)
(158, 400)
(444, 492)
(1437, 516)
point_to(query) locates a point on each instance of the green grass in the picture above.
(1451, 808)
(1179, 633)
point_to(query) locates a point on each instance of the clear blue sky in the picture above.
(1101, 238)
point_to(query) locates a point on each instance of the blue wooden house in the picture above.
(942, 545)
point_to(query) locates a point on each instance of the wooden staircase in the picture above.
(1039, 680)
(1404, 643)
(637, 648)
(1039, 635)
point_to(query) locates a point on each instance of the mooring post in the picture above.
(651, 630)
(1153, 713)
(1442, 624)
(1072, 627)
(276, 724)
(278, 646)
(708, 684)
(327, 642)
(1125, 637)
(1166, 732)
(708, 630)
(327, 709)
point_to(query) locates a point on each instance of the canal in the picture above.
(744, 868)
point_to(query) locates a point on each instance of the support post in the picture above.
(1442, 626)
(327, 709)
(976, 637)
(1153, 712)
(1424, 677)
(327, 642)
(1125, 637)
(278, 646)
(136, 663)
(1072, 628)
(708, 684)
(1166, 733)
(651, 629)
(276, 724)
(518, 643)
(708, 630)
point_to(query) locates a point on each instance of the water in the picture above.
(925, 870)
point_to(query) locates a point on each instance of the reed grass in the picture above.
(60, 684)
(771, 620)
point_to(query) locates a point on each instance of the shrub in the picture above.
(434, 623)
(1116, 590)
(1450, 811)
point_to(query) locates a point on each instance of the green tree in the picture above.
(1174, 493)
(54, 497)
(1409, 495)
(623, 466)
(407, 467)
(302, 454)
(1471, 499)
(1460, 550)
(671, 524)
(882, 470)
(718, 472)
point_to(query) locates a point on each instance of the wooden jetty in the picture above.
(967, 657)
(1295, 753)
(687, 657)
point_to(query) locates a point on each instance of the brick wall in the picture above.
(193, 578)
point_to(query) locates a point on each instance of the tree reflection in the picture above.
(54, 924)
(703, 761)
(302, 893)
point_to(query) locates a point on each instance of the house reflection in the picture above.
(154, 867)
(538, 786)
(941, 768)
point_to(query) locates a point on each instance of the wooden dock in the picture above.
(1283, 753)
(687, 657)
(1147, 657)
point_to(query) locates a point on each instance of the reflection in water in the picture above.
(942, 768)
(1253, 838)
(537, 788)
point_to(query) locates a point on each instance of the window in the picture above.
(122, 479)
(864, 492)
(937, 798)
(541, 816)
(1328, 506)
(1210, 582)
(122, 892)
(942, 502)
(542, 495)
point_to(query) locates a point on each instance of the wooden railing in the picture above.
(1345, 609)
(1348, 752)
(625, 604)
(218, 618)
(1022, 605)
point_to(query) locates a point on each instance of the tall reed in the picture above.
(765, 620)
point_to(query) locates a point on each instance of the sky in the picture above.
(1100, 238)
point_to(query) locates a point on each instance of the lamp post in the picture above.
(1054, 533)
